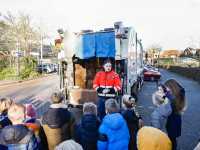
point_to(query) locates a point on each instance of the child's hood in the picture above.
(113, 121)
(15, 133)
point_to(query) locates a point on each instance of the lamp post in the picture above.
(18, 47)
(158, 49)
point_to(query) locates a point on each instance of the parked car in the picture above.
(150, 67)
(150, 74)
(46, 67)
(55, 67)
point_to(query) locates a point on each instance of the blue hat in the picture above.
(107, 61)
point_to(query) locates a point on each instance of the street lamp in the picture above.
(18, 47)
(158, 49)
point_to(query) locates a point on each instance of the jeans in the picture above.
(101, 107)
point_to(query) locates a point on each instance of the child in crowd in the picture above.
(31, 116)
(113, 132)
(162, 88)
(56, 124)
(17, 136)
(87, 131)
(161, 112)
(68, 145)
(133, 119)
(176, 95)
(4, 105)
(149, 138)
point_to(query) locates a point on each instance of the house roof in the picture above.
(170, 52)
(189, 49)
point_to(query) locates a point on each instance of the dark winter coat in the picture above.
(174, 120)
(56, 125)
(160, 116)
(17, 137)
(6, 121)
(132, 122)
(87, 132)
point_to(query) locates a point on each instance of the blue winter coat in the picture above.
(87, 132)
(114, 133)
(14, 137)
(174, 120)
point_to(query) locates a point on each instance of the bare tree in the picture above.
(152, 49)
(42, 31)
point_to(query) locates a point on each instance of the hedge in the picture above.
(193, 73)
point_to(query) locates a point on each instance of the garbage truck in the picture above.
(84, 54)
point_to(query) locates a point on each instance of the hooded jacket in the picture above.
(56, 125)
(113, 133)
(149, 138)
(174, 121)
(87, 132)
(160, 116)
(17, 137)
(132, 122)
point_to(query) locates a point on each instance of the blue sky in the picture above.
(167, 22)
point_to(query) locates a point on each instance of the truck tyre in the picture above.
(152, 78)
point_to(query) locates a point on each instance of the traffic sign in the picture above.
(19, 54)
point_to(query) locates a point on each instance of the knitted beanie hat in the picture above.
(31, 111)
(69, 145)
(107, 61)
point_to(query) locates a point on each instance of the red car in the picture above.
(150, 74)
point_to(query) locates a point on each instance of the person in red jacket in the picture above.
(106, 83)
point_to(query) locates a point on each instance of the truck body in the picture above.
(85, 52)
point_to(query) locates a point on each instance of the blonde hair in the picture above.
(4, 105)
(160, 97)
(15, 111)
(129, 103)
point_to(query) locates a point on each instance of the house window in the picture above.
(164, 56)
(186, 53)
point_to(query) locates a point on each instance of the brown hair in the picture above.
(175, 90)
(89, 108)
(15, 111)
(111, 106)
(57, 97)
(4, 105)
(129, 103)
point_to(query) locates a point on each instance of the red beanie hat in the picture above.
(31, 111)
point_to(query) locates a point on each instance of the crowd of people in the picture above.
(102, 127)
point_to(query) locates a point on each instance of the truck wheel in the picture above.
(152, 78)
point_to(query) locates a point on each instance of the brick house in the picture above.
(169, 54)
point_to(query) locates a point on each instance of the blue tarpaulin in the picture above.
(98, 44)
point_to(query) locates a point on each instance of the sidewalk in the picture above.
(7, 82)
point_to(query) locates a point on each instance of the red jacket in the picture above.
(108, 80)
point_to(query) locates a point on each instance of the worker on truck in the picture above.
(106, 83)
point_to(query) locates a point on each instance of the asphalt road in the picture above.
(36, 91)
(190, 117)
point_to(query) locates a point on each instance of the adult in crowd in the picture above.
(176, 95)
(150, 138)
(4, 105)
(106, 83)
(17, 136)
(56, 124)
(162, 88)
(87, 131)
(113, 132)
(162, 111)
(68, 145)
(133, 119)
